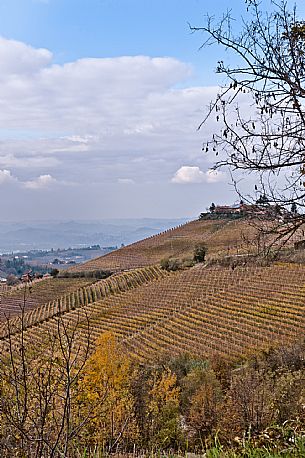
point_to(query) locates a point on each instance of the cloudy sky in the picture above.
(100, 101)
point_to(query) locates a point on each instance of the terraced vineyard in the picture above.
(202, 311)
(40, 292)
(178, 242)
(79, 298)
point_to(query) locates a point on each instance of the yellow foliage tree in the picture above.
(205, 404)
(106, 395)
(163, 409)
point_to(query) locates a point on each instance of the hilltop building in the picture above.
(226, 210)
(260, 209)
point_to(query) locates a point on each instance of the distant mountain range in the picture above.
(63, 234)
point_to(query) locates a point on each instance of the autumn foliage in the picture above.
(58, 402)
(106, 396)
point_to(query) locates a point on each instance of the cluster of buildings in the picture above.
(260, 209)
(246, 209)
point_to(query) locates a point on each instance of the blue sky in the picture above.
(99, 106)
(73, 29)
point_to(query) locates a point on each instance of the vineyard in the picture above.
(39, 292)
(178, 243)
(78, 299)
(202, 311)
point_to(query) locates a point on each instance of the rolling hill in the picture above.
(18, 299)
(222, 237)
(202, 310)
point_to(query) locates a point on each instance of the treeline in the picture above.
(173, 264)
(16, 267)
(97, 274)
(59, 401)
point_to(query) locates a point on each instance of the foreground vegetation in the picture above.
(61, 400)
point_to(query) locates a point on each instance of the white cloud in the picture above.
(187, 174)
(98, 109)
(79, 139)
(18, 59)
(192, 174)
(126, 181)
(100, 97)
(214, 176)
(9, 160)
(43, 181)
(6, 177)
(94, 122)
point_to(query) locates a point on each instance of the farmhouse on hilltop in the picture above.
(260, 208)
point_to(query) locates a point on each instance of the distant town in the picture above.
(13, 266)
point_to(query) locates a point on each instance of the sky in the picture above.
(100, 101)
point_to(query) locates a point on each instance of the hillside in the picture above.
(203, 311)
(211, 330)
(221, 236)
(39, 292)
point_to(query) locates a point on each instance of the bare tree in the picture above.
(38, 388)
(261, 111)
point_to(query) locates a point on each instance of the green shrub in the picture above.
(187, 262)
(54, 273)
(170, 265)
(200, 252)
(97, 274)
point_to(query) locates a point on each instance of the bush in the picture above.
(54, 273)
(12, 280)
(97, 274)
(200, 252)
(170, 265)
(187, 262)
(164, 263)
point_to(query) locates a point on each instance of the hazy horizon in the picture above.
(44, 235)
